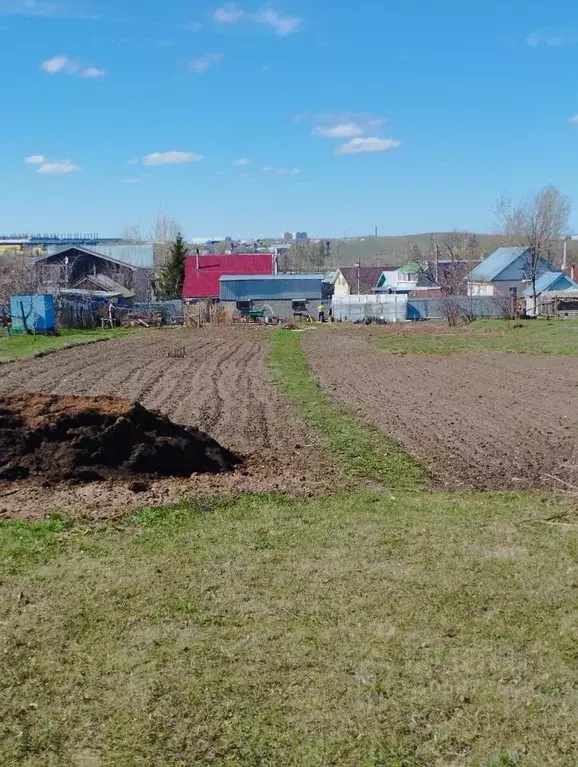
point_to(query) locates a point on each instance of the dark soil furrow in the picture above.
(491, 420)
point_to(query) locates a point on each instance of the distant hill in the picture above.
(396, 251)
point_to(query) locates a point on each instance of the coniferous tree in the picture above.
(172, 277)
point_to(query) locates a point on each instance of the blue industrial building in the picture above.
(285, 295)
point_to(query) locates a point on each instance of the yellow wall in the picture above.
(7, 248)
(340, 286)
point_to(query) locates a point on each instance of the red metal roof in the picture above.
(204, 281)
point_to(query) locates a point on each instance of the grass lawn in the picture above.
(362, 450)
(533, 337)
(20, 347)
(361, 630)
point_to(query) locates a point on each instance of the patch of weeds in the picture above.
(502, 760)
(176, 515)
(23, 543)
(364, 451)
(263, 540)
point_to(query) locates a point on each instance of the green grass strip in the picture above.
(20, 347)
(555, 337)
(364, 451)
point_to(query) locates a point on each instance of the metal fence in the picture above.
(77, 314)
(172, 311)
(468, 306)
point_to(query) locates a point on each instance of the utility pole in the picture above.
(565, 258)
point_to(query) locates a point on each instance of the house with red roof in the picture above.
(202, 273)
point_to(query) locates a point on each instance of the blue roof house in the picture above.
(552, 282)
(547, 284)
(504, 269)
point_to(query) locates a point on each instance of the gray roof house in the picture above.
(504, 269)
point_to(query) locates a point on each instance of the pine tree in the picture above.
(172, 277)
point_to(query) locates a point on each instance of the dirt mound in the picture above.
(59, 438)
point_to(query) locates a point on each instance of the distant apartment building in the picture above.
(294, 236)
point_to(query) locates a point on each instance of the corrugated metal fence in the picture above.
(470, 306)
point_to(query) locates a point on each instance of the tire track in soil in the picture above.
(489, 421)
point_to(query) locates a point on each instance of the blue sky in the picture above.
(249, 118)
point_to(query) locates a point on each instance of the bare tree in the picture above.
(448, 267)
(308, 256)
(162, 234)
(17, 276)
(133, 234)
(165, 232)
(538, 223)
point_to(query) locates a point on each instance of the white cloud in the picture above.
(65, 65)
(242, 161)
(342, 124)
(170, 158)
(267, 17)
(58, 168)
(60, 64)
(130, 180)
(282, 25)
(193, 26)
(554, 37)
(573, 120)
(133, 161)
(369, 144)
(281, 171)
(92, 72)
(229, 14)
(202, 63)
(51, 167)
(341, 130)
(245, 174)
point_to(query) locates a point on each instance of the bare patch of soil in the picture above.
(491, 421)
(219, 386)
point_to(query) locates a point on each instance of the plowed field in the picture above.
(220, 386)
(488, 420)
